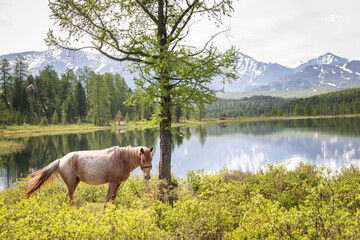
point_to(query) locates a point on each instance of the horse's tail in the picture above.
(47, 175)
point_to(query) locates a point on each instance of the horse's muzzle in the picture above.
(147, 177)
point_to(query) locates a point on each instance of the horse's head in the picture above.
(145, 163)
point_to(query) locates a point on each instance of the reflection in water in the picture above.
(40, 151)
(332, 142)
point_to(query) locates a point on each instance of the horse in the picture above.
(112, 165)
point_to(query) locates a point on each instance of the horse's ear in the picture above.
(151, 149)
(141, 151)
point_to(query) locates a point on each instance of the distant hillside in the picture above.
(334, 103)
(239, 107)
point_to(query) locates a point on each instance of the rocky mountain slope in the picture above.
(326, 70)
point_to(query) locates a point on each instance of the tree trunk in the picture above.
(165, 124)
(165, 140)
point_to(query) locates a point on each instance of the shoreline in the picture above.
(36, 130)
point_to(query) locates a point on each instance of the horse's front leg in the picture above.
(112, 191)
(113, 197)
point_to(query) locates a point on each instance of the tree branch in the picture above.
(182, 16)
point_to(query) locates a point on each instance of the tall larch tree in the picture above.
(99, 111)
(5, 77)
(154, 36)
(83, 75)
(81, 105)
(46, 86)
(20, 97)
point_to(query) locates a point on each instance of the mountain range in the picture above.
(327, 70)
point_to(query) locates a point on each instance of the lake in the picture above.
(246, 146)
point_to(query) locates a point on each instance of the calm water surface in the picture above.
(331, 142)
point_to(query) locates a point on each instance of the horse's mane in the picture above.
(131, 155)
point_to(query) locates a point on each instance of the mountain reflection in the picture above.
(246, 146)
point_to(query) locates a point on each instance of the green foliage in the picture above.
(275, 203)
(334, 103)
(55, 118)
(241, 107)
(44, 121)
(4, 117)
(5, 78)
(28, 99)
(99, 100)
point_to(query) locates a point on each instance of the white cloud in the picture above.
(282, 31)
(335, 18)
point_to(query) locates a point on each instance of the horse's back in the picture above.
(92, 167)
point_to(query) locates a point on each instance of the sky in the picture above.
(287, 32)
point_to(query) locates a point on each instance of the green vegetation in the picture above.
(74, 97)
(241, 107)
(334, 103)
(275, 203)
(298, 93)
(81, 97)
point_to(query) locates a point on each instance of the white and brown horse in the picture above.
(112, 165)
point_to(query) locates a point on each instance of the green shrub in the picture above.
(275, 203)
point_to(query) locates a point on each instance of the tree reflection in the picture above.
(41, 150)
(202, 134)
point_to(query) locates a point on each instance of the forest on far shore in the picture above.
(334, 103)
(79, 96)
(76, 96)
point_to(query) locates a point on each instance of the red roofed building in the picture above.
(119, 120)
(222, 116)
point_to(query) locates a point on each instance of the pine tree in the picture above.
(47, 89)
(4, 116)
(178, 113)
(5, 77)
(99, 101)
(63, 118)
(20, 97)
(81, 105)
(70, 109)
(83, 75)
(121, 89)
(67, 80)
(55, 118)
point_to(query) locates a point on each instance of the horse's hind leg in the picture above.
(71, 185)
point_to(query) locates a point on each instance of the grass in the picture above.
(301, 93)
(274, 203)
(50, 129)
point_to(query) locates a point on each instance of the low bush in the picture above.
(274, 203)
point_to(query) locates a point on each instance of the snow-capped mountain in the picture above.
(253, 74)
(265, 76)
(312, 76)
(61, 59)
(327, 58)
(326, 70)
